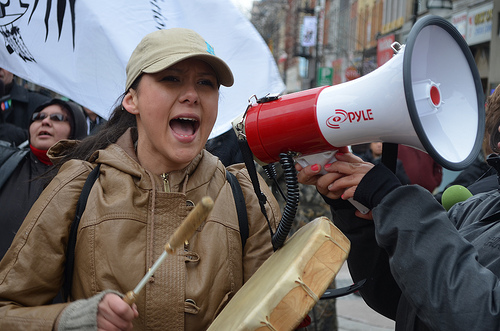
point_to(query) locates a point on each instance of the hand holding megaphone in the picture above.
(310, 177)
(322, 159)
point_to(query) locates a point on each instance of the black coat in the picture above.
(17, 195)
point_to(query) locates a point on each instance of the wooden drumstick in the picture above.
(183, 233)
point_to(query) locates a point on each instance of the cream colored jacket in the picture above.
(128, 220)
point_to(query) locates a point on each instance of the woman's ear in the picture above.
(129, 102)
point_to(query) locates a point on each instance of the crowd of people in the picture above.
(426, 268)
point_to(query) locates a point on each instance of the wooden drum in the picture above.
(288, 285)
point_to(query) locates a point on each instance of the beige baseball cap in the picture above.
(163, 48)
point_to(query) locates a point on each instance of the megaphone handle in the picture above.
(322, 159)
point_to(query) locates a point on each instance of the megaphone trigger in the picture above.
(362, 209)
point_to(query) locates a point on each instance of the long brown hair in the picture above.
(119, 121)
(492, 135)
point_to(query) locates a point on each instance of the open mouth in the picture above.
(44, 134)
(184, 126)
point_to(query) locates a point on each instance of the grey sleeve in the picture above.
(81, 315)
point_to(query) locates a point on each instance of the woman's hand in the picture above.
(115, 314)
(341, 179)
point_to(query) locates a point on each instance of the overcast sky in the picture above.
(244, 5)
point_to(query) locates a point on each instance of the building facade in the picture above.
(354, 37)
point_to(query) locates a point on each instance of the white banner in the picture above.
(79, 48)
(309, 30)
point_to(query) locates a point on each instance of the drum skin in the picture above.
(288, 285)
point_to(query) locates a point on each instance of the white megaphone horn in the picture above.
(428, 96)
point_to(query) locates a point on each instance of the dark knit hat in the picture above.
(77, 120)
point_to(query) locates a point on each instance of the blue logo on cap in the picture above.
(210, 49)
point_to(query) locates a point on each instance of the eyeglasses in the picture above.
(53, 117)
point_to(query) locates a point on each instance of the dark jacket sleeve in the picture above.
(366, 259)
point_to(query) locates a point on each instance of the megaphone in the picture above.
(428, 96)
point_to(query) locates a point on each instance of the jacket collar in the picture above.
(122, 156)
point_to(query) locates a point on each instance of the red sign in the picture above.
(351, 73)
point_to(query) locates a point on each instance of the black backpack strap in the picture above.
(241, 208)
(252, 172)
(6, 150)
(11, 163)
(70, 250)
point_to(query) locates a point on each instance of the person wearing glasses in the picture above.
(21, 168)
